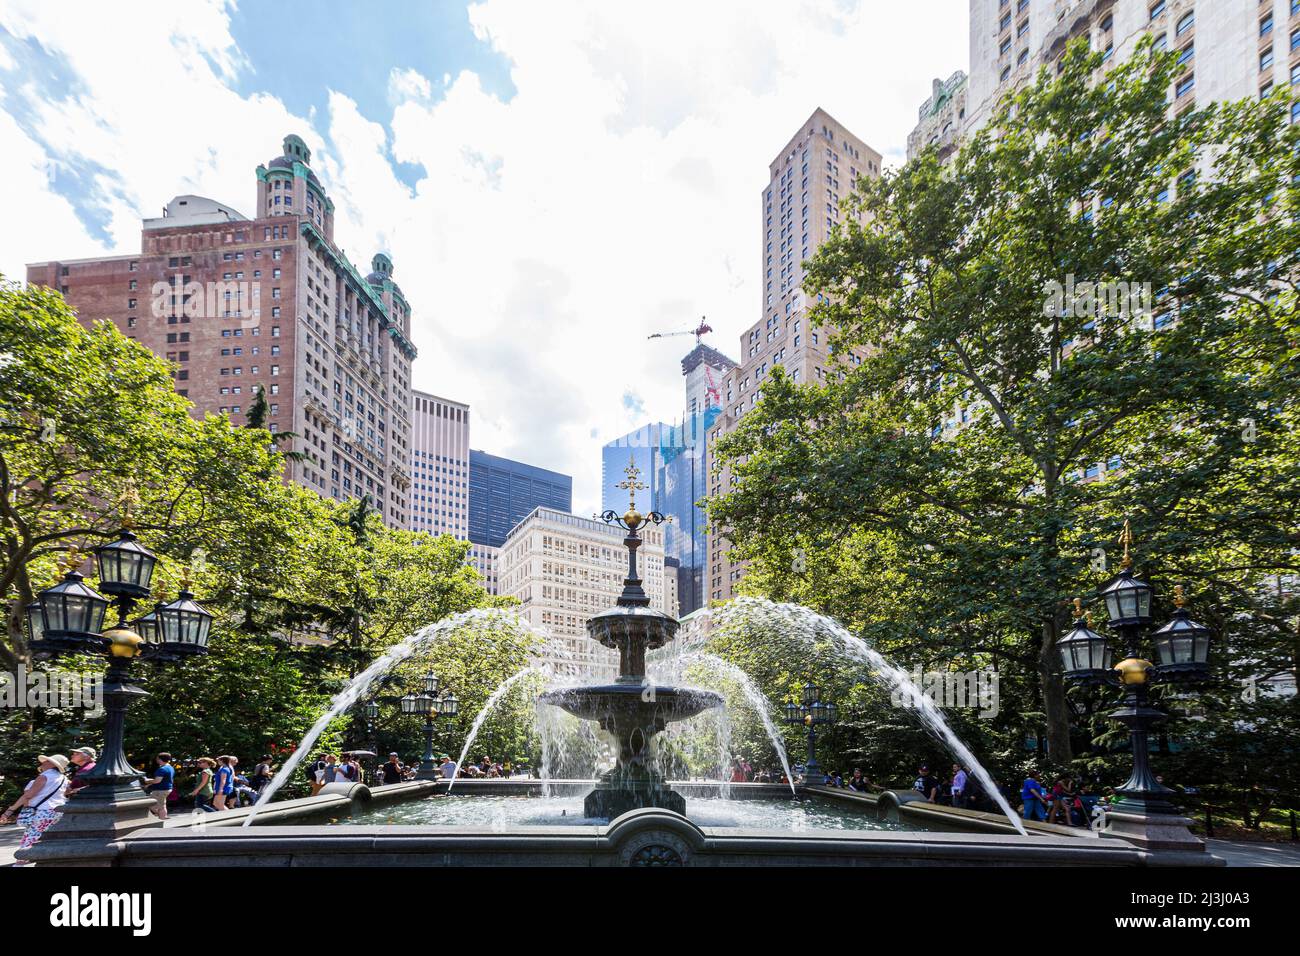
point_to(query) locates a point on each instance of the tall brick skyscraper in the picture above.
(271, 302)
(807, 180)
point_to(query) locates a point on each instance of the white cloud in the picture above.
(616, 194)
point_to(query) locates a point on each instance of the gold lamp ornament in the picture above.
(1133, 670)
(123, 642)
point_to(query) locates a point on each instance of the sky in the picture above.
(554, 181)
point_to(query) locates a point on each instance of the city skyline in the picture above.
(434, 160)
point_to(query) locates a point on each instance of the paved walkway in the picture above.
(10, 837)
(1256, 854)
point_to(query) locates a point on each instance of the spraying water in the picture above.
(361, 683)
(757, 702)
(806, 624)
(492, 701)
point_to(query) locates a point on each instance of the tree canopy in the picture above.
(999, 404)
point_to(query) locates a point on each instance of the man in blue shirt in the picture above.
(159, 786)
(1034, 807)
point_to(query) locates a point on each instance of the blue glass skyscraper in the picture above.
(502, 492)
(673, 465)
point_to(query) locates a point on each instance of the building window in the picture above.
(1185, 23)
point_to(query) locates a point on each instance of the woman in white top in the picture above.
(41, 804)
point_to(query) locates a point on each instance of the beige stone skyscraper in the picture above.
(439, 465)
(809, 177)
(941, 118)
(563, 569)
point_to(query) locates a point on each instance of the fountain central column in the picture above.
(632, 709)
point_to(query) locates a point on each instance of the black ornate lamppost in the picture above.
(430, 706)
(1144, 812)
(371, 711)
(812, 713)
(67, 619)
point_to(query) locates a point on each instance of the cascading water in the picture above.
(756, 700)
(361, 683)
(805, 624)
(491, 703)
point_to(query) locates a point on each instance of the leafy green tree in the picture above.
(305, 592)
(964, 543)
(89, 418)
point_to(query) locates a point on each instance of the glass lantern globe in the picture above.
(1182, 646)
(372, 710)
(72, 614)
(811, 693)
(450, 705)
(183, 625)
(1084, 653)
(832, 713)
(1128, 600)
(408, 704)
(125, 567)
(146, 625)
(35, 622)
(430, 683)
(792, 712)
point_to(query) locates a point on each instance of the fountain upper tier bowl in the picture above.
(652, 705)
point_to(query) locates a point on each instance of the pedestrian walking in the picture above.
(159, 786)
(41, 803)
(202, 792)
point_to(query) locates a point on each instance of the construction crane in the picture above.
(712, 396)
(703, 329)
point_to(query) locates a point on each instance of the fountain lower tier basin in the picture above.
(788, 814)
(642, 704)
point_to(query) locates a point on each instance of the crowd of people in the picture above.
(218, 784)
(1064, 801)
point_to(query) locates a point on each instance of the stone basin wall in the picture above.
(293, 833)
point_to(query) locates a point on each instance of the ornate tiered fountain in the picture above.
(632, 709)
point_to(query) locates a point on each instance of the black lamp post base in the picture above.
(812, 774)
(93, 819)
(1155, 832)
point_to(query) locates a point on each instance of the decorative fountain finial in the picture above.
(632, 709)
(632, 483)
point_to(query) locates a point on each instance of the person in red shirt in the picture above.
(83, 761)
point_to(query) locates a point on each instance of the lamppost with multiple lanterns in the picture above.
(429, 705)
(1144, 812)
(68, 619)
(812, 713)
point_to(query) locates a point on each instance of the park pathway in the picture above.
(1256, 854)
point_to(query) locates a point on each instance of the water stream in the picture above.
(492, 701)
(806, 625)
(357, 687)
